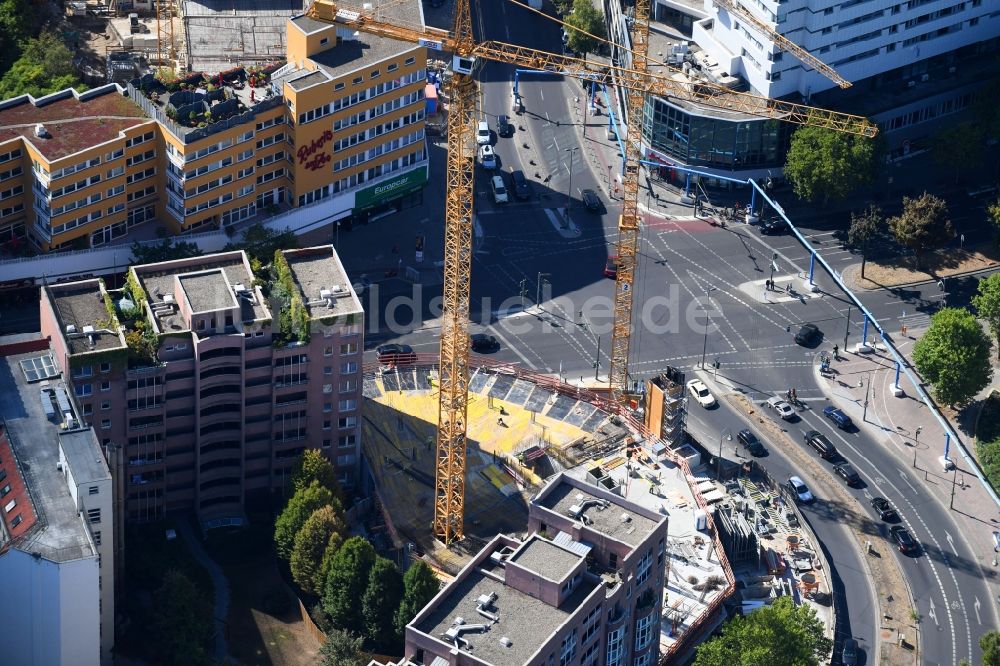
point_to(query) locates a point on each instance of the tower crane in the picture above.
(736, 9)
(449, 500)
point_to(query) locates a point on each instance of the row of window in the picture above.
(375, 91)
(73, 187)
(380, 170)
(11, 173)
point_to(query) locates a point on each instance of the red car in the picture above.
(611, 267)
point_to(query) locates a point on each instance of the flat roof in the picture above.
(318, 268)
(310, 79)
(82, 304)
(60, 534)
(74, 122)
(84, 458)
(207, 291)
(545, 558)
(221, 34)
(604, 520)
(528, 622)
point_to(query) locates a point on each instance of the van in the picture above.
(499, 190)
(823, 446)
(482, 133)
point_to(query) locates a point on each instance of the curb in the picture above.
(853, 284)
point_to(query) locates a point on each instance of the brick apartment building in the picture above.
(584, 589)
(341, 122)
(212, 390)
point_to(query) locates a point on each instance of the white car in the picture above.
(700, 392)
(483, 133)
(800, 490)
(487, 157)
(782, 408)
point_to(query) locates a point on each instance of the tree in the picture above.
(18, 19)
(986, 110)
(954, 356)
(166, 250)
(346, 584)
(342, 648)
(781, 633)
(959, 148)
(182, 621)
(419, 587)
(824, 165)
(314, 466)
(45, 66)
(260, 242)
(987, 304)
(864, 227)
(993, 216)
(989, 643)
(379, 605)
(310, 546)
(585, 18)
(923, 225)
(300, 506)
(326, 561)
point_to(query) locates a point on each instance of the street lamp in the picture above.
(704, 344)
(609, 181)
(861, 384)
(569, 190)
(727, 435)
(597, 349)
(916, 444)
(542, 277)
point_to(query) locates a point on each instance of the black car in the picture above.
(884, 510)
(591, 200)
(823, 446)
(504, 128)
(483, 343)
(775, 225)
(807, 335)
(751, 443)
(522, 188)
(849, 655)
(903, 539)
(848, 474)
(395, 355)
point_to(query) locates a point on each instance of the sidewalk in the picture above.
(894, 422)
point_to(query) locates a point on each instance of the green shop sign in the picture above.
(390, 189)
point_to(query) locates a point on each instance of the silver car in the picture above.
(780, 407)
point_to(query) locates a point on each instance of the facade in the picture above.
(219, 389)
(584, 589)
(57, 541)
(341, 122)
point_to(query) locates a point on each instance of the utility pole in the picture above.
(524, 291)
(847, 331)
(916, 444)
(538, 287)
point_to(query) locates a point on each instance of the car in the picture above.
(611, 267)
(487, 157)
(591, 200)
(395, 355)
(483, 343)
(483, 133)
(847, 473)
(800, 490)
(884, 510)
(522, 188)
(700, 392)
(504, 128)
(842, 420)
(780, 407)
(775, 225)
(807, 335)
(824, 447)
(499, 189)
(849, 655)
(904, 540)
(750, 443)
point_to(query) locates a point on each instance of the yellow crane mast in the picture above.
(454, 361)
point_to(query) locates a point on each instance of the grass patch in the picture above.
(988, 439)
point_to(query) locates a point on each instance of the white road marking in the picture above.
(542, 95)
(951, 542)
(902, 475)
(514, 349)
(933, 614)
(976, 607)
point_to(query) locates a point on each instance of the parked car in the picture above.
(395, 355)
(504, 128)
(807, 335)
(611, 267)
(487, 157)
(700, 393)
(884, 510)
(800, 490)
(842, 420)
(522, 188)
(499, 189)
(847, 472)
(750, 443)
(904, 540)
(483, 133)
(823, 446)
(483, 343)
(591, 200)
(849, 655)
(780, 407)
(775, 225)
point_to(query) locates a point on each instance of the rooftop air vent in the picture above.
(168, 298)
(239, 288)
(506, 642)
(71, 328)
(325, 294)
(88, 330)
(626, 518)
(40, 131)
(338, 289)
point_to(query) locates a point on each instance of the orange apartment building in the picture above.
(342, 123)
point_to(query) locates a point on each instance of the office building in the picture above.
(341, 122)
(585, 588)
(212, 389)
(57, 537)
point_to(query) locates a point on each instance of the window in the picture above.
(4, 490)
(347, 422)
(410, 61)
(83, 371)
(375, 74)
(644, 631)
(105, 368)
(327, 407)
(348, 368)
(106, 424)
(327, 351)
(645, 567)
(327, 369)
(338, 86)
(567, 651)
(324, 41)
(616, 647)
(327, 424)
(17, 520)
(82, 390)
(392, 67)
(347, 441)
(348, 385)
(643, 660)
(105, 386)
(348, 348)
(97, 538)
(93, 490)
(94, 516)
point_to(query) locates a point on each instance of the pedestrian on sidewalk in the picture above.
(836, 352)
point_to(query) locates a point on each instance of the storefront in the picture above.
(390, 196)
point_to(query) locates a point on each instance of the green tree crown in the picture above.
(954, 356)
(300, 506)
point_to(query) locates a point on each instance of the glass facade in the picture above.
(714, 142)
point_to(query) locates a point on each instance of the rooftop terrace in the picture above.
(74, 122)
(79, 305)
